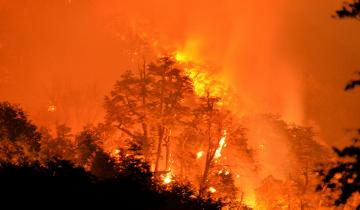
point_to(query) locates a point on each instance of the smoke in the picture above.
(278, 57)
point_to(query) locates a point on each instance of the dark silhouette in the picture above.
(18, 136)
(344, 176)
(353, 84)
(59, 183)
(349, 10)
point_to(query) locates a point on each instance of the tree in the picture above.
(87, 143)
(210, 122)
(61, 147)
(169, 87)
(19, 138)
(127, 107)
(344, 176)
(147, 106)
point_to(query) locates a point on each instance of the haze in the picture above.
(280, 57)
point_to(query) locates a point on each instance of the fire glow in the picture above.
(235, 57)
(221, 145)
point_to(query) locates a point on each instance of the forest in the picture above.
(170, 139)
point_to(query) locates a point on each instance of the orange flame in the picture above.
(221, 145)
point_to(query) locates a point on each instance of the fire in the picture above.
(221, 145)
(199, 154)
(52, 108)
(250, 201)
(167, 179)
(202, 80)
(212, 190)
(181, 57)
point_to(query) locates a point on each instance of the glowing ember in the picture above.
(167, 178)
(221, 145)
(212, 190)
(117, 151)
(199, 154)
(51, 108)
(227, 173)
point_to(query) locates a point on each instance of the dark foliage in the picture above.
(345, 175)
(59, 183)
(14, 126)
(349, 10)
(352, 84)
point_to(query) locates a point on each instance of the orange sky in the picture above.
(279, 56)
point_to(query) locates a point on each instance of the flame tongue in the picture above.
(221, 145)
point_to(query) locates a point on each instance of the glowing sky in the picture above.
(282, 57)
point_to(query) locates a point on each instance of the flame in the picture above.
(199, 154)
(212, 190)
(52, 108)
(202, 80)
(221, 145)
(167, 178)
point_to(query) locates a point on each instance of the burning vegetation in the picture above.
(167, 128)
(171, 138)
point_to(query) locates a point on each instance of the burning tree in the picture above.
(169, 87)
(148, 106)
(127, 107)
(211, 125)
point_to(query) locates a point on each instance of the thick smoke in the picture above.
(278, 57)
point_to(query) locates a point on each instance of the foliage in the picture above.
(344, 176)
(60, 182)
(349, 10)
(61, 147)
(19, 138)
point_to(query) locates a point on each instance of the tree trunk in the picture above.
(167, 157)
(158, 152)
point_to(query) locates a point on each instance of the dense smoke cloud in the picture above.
(279, 57)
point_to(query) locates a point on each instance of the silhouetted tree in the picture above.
(209, 123)
(169, 87)
(19, 138)
(146, 106)
(344, 176)
(61, 147)
(127, 107)
(87, 143)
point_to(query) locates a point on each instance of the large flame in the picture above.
(221, 145)
(203, 81)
